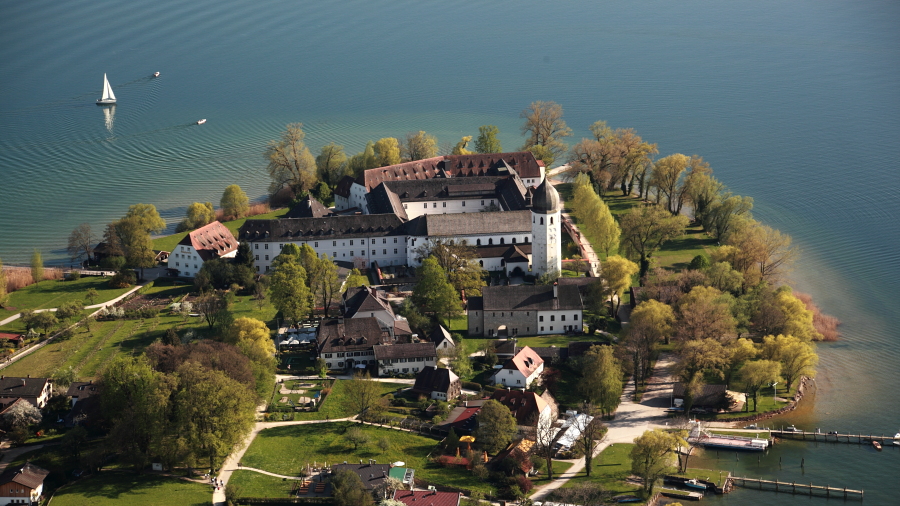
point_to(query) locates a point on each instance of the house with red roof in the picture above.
(519, 371)
(202, 245)
(427, 498)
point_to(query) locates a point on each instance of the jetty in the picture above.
(833, 438)
(797, 488)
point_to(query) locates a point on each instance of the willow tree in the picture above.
(645, 229)
(290, 162)
(595, 219)
(387, 151)
(544, 126)
(418, 146)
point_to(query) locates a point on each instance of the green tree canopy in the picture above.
(645, 229)
(460, 147)
(348, 490)
(758, 374)
(235, 203)
(288, 290)
(653, 455)
(487, 141)
(290, 162)
(37, 266)
(595, 219)
(797, 356)
(433, 293)
(602, 378)
(331, 164)
(387, 151)
(616, 274)
(496, 426)
(198, 214)
(418, 146)
(544, 126)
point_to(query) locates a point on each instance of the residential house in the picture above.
(437, 383)
(348, 343)
(14, 340)
(22, 484)
(405, 358)
(519, 371)
(710, 397)
(528, 408)
(34, 390)
(367, 301)
(462, 418)
(427, 498)
(442, 339)
(202, 245)
(81, 390)
(520, 450)
(525, 310)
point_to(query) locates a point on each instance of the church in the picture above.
(499, 203)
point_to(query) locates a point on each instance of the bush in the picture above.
(123, 279)
(471, 385)
(73, 276)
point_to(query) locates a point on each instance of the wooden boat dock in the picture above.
(797, 488)
(887, 441)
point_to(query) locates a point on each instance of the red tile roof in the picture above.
(523, 162)
(430, 497)
(526, 361)
(211, 241)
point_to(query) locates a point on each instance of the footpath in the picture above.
(95, 307)
(631, 420)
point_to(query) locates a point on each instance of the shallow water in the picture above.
(793, 103)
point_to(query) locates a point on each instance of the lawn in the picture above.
(168, 242)
(611, 468)
(766, 403)
(114, 488)
(253, 484)
(53, 293)
(285, 450)
(336, 404)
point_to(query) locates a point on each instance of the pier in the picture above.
(887, 441)
(798, 488)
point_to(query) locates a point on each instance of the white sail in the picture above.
(107, 90)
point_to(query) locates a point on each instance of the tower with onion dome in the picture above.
(546, 250)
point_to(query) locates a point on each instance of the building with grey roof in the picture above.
(525, 310)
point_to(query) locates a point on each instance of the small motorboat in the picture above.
(693, 483)
(156, 74)
(202, 121)
(876, 445)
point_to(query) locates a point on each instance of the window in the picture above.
(434, 204)
(281, 246)
(328, 355)
(256, 246)
(491, 241)
(482, 202)
(542, 221)
(576, 317)
(395, 251)
(443, 204)
(492, 201)
(562, 318)
(176, 264)
(373, 241)
(518, 382)
(267, 268)
(334, 243)
(334, 254)
(510, 371)
(351, 253)
(384, 252)
(351, 242)
(383, 241)
(341, 355)
(316, 244)
(464, 203)
(328, 365)
(551, 327)
(426, 205)
(514, 240)
(481, 263)
(493, 314)
(527, 329)
(373, 252)
(395, 240)
(551, 220)
(340, 364)
(553, 318)
(404, 206)
(541, 319)
(502, 240)
(257, 268)
(267, 245)
(478, 242)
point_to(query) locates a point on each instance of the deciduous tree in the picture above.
(81, 243)
(4, 295)
(616, 274)
(433, 293)
(697, 358)
(460, 147)
(653, 455)
(757, 374)
(544, 126)
(705, 313)
(418, 146)
(654, 318)
(496, 426)
(290, 162)
(361, 162)
(590, 432)
(354, 279)
(288, 290)
(601, 379)
(235, 203)
(198, 214)
(331, 164)
(487, 141)
(724, 212)
(348, 490)
(37, 266)
(20, 415)
(645, 229)
(459, 261)
(363, 393)
(387, 151)
(798, 357)
(595, 219)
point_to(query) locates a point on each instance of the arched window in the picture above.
(502, 240)
(542, 221)
(526, 240)
(514, 240)
(551, 220)
(478, 242)
(481, 263)
(491, 241)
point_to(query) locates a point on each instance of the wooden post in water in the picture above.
(810, 489)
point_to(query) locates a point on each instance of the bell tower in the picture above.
(546, 250)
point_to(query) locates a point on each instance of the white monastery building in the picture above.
(201, 245)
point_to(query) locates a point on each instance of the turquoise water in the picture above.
(794, 103)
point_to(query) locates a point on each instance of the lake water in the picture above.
(796, 104)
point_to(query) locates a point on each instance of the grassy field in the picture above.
(336, 405)
(611, 468)
(253, 484)
(766, 403)
(50, 294)
(114, 488)
(168, 243)
(285, 450)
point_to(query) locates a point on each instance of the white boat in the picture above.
(202, 121)
(108, 96)
(156, 74)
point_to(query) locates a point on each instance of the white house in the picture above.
(525, 310)
(519, 371)
(405, 358)
(201, 245)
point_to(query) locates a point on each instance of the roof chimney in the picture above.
(555, 291)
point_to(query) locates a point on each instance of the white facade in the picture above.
(547, 248)
(404, 365)
(188, 261)
(473, 205)
(558, 322)
(390, 250)
(514, 378)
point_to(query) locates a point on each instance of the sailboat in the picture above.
(108, 96)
